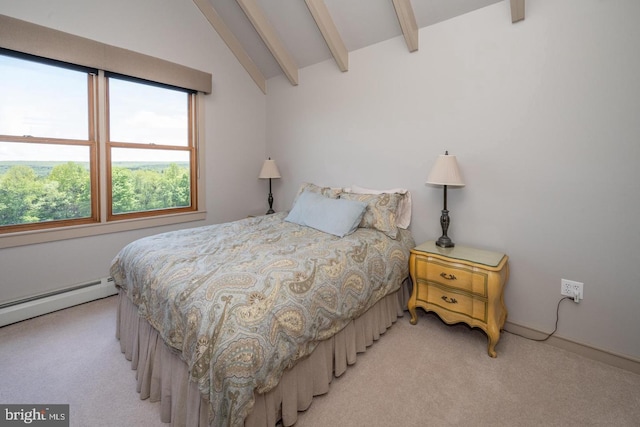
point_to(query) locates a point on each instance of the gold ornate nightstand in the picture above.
(460, 284)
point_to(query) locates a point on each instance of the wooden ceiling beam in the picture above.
(329, 31)
(268, 34)
(517, 10)
(232, 42)
(407, 19)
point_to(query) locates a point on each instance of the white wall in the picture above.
(174, 30)
(543, 116)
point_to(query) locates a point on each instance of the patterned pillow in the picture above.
(329, 192)
(381, 211)
(403, 216)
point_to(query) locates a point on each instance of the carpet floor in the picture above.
(429, 374)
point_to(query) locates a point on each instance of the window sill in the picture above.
(42, 236)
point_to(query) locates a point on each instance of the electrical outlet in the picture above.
(569, 288)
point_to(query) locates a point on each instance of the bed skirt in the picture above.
(163, 376)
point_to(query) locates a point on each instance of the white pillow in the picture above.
(334, 216)
(403, 216)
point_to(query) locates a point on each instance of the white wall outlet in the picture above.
(572, 289)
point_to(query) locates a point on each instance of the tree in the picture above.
(20, 189)
(147, 189)
(65, 193)
(175, 186)
(123, 198)
(74, 186)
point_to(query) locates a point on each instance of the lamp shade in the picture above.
(446, 172)
(269, 170)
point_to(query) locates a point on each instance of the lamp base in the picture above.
(444, 242)
(270, 211)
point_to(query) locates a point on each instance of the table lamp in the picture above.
(269, 171)
(445, 172)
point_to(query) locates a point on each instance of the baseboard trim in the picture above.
(617, 360)
(48, 303)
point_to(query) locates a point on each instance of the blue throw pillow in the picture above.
(334, 216)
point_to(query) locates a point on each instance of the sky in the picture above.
(47, 101)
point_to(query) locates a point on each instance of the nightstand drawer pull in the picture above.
(449, 300)
(448, 276)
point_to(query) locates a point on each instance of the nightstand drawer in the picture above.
(456, 302)
(457, 276)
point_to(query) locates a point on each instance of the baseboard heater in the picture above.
(27, 308)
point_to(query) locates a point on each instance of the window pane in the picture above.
(42, 100)
(147, 114)
(43, 182)
(145, 180)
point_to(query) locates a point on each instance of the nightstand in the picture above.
(460, 284)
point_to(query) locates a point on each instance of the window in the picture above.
(47, 144)
(150, 149)
(51, 134)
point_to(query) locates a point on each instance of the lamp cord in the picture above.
(554, 330)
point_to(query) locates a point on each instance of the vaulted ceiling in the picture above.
(274, 37)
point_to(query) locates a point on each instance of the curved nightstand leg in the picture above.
(494, 337)
(492, 351)
(414, 317)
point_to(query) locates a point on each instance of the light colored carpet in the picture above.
(430, 374)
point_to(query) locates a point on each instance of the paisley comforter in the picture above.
(243, 301)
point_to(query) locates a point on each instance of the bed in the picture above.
(242, 323)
